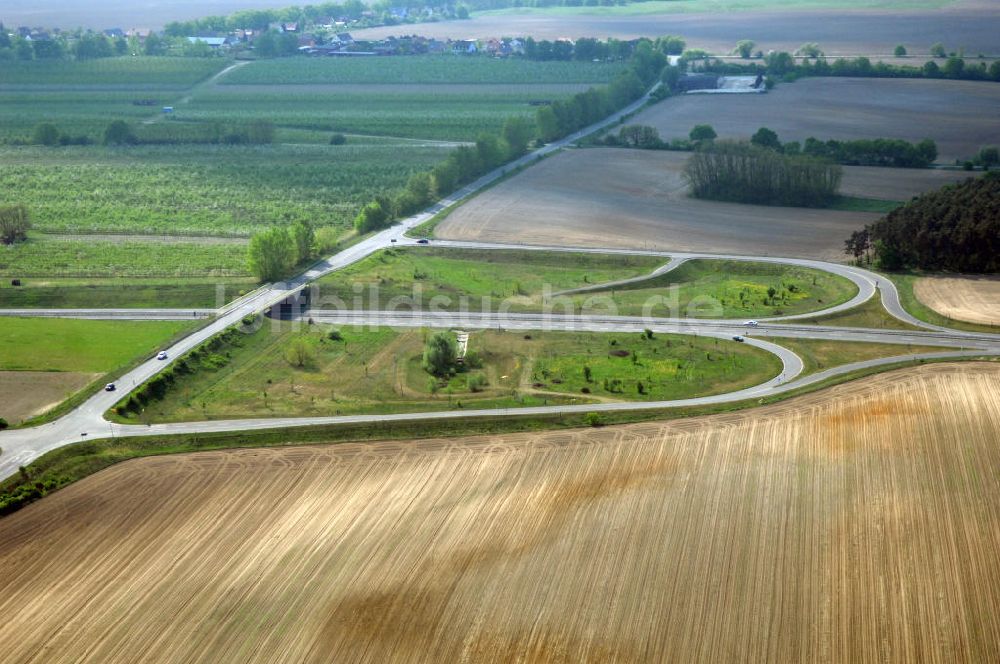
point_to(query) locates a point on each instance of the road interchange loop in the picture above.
(87, 421)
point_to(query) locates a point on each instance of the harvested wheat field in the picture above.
(970, 298)
(959, 115)
(607, 197)
(857, 524)
(24, 394)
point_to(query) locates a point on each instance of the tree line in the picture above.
(783, 65)
(891, 152)
(120, 132)
(89, 45)
(956, 228)
(746, 173)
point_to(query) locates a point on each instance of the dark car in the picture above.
(738, 338)
(110, 387)
(423, 241)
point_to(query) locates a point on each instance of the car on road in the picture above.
(110, 387)
(423, 241)
(751, 323)
(738, 338)
(162, 355)
(393, 240)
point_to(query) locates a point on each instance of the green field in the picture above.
(379, 370)
(180, 183)
(459, 116)
(447, 69)
(87, 293)
(83, 112)
(520, 279)
(202, 189)
(41, 256)
(870, 314)
(485, 278)
(819, 354)
(726, 289)
(94, 346)
(116, 72)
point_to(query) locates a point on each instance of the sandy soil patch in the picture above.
(973, 299)
(638, 199)
(959, 115)
(24, 394)
(857, 520)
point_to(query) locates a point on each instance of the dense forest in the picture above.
(956, 228)
(747, 173)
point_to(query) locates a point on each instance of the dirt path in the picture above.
(191, 91)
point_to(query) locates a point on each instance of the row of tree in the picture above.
(746, 173)
(872, 152)
(562, 118)
(863, 152)
(956, 228)
(784, 65)
(119, 132)
(586, 49)
(94, 45)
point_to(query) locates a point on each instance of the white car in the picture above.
(751, 323)
(162, 355)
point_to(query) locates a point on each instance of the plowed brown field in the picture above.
(857, 524)
(958, 115)
(607, 197)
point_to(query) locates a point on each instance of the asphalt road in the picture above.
(87, 422)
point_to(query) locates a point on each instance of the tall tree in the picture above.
(15, 222)
(304, 237)
(271, 254)
(440, 353)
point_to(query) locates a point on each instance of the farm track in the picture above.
(861, 520)
(189, 95)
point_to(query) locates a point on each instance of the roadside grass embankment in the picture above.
(286, 369)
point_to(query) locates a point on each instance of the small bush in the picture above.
(593, 419)
(338, 139)
(476, 382)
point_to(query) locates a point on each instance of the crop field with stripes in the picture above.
(859, 523)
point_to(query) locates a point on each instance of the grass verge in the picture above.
(821, 354)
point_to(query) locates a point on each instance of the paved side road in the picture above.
(112, 314)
